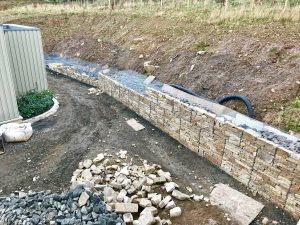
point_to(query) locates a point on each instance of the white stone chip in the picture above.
(175, 212)
(21, 194)
(86, 174)
(170, 186)
(144, 202)
(170, 205)
(136, 222)
(108, 193)
(121, 195)
(168, 222)
(165, 201)
(87, 163)
(158, 180)
(179, 195)
(135, 125)
(99, 158)
(128, 218)
(152, 210)
(166, 175)
(198, 198)
(146, 219)
(156, 199)
(84, 197)
(124, 171)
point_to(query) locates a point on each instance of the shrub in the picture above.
(35, 103)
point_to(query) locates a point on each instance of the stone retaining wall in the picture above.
(261, 165)
(67, 71)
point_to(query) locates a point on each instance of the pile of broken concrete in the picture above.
(132, 190)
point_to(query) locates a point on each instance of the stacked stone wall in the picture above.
(261, 165)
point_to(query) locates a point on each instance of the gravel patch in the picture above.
(76, 206)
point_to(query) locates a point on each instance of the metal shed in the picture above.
(25, 51)
(8, 102)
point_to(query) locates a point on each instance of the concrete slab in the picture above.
(135, 125)
(241, 120)
(239, 206)
(214, 107)
(149, 80)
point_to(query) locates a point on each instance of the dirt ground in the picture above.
(86, 125)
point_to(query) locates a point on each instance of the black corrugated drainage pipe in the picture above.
(222, 100)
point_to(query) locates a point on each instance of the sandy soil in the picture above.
(85, 126)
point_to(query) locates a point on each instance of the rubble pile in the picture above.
(76, 206)
(132, 190)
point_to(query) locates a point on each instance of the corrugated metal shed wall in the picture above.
(8, 102)
(27, 59)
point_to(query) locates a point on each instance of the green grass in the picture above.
(294, 56)
(292, 125)
(296, 103)
(289, 118)
(211, 13)
(201, 46)
(35, 103)
(293, 121)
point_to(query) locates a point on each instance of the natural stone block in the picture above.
(126, 208)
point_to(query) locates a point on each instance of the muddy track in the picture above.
(86, 125)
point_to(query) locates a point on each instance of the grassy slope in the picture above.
(247, 54)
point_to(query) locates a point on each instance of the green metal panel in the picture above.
(8, 103)
(26, 57)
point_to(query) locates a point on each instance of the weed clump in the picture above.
(201, 46)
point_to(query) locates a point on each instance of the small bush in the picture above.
(35, 103)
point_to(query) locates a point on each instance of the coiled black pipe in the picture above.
(222, 100)
(243, 99)
(184, 89)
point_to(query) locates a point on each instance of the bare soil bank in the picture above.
(261, 61)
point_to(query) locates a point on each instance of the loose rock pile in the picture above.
(131, 189)
(77, 206)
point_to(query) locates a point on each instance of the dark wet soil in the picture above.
(86, 125)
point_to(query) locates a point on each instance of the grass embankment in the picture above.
(35, 103)
(209, 11)
(289, 118)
